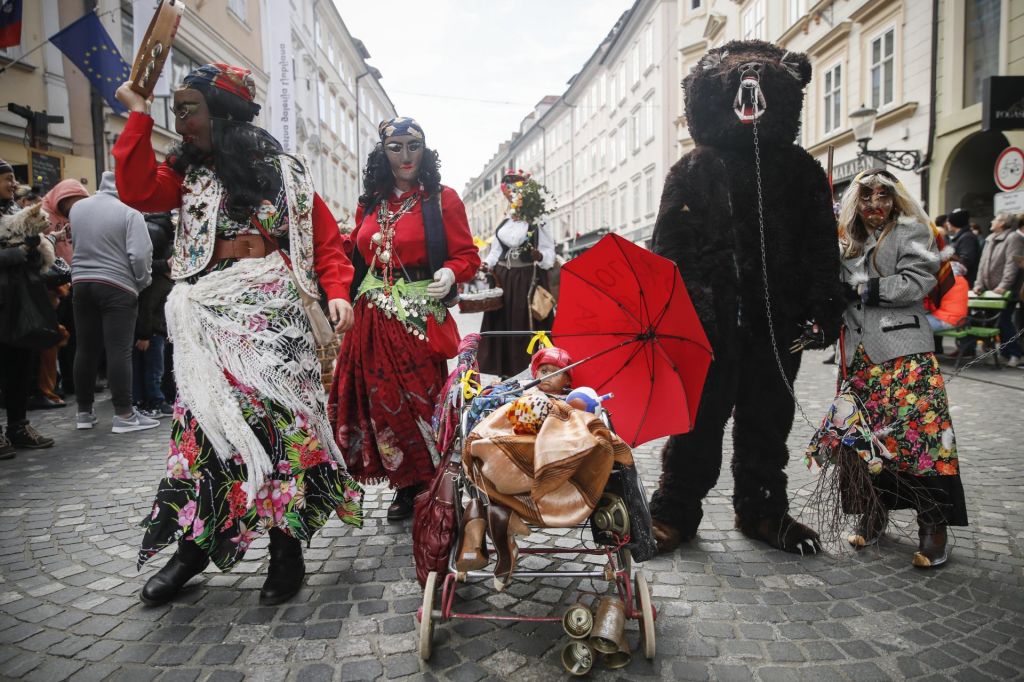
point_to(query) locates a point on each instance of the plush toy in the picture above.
(586, 399)
(747, 215)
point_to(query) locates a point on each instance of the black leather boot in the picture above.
(286, 571)
(187, 562)
(401, 507)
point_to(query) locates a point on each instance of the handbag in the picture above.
(323, 332)
(541, 300)
(433, 521)
(27, 318)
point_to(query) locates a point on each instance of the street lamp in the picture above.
(863, 123)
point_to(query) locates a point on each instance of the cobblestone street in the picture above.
(729, 609)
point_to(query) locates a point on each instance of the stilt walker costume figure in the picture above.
(251, 448)
(411, 245)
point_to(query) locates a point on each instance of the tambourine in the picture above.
(156, 46)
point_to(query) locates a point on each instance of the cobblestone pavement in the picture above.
(729, 609)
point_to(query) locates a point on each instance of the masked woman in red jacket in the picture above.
(411, 246)
(251, 448)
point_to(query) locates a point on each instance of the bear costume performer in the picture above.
(743, 104)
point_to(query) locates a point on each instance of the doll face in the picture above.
(192, 119)
(874, 205)
(405, 154)
(556, 384)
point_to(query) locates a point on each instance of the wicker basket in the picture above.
(481, 301)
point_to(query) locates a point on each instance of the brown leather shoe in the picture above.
(504, 524)
(402, 505)
(472, 554)
(931, 549)
(869, 529)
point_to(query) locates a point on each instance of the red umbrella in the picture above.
(625, 313)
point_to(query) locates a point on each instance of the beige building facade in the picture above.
(603, 146)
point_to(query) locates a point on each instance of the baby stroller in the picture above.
(619, 525)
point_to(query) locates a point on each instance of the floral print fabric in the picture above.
(201, 497)
(905, 406)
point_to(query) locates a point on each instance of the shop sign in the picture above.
(1008, 202)
(1002, 103)
(848, 169)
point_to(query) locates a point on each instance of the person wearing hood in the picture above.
(113, 258)
(151, 325)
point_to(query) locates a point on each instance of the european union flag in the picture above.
(89, 47)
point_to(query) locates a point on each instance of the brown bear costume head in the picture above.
(741, 83)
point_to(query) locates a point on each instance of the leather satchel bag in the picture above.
(323, 332)
(541, 300)
(433, 521)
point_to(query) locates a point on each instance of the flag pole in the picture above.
(43, 44)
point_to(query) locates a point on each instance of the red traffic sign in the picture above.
(1009, 170)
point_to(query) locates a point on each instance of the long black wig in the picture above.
(379, 181)
(242, 153)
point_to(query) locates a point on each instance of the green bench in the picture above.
(982, 322)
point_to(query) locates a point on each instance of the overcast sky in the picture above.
(470, 70)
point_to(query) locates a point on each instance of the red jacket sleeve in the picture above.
(463, 256)
(142, 183)
(332, 266)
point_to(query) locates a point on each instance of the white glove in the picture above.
(442, 284)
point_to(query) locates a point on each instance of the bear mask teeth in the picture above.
(749, 103)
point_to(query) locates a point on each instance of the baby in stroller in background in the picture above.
(542, 456)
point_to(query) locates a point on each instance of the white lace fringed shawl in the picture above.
(246, 319)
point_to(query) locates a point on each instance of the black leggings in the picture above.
(104, 317)
(15, 378)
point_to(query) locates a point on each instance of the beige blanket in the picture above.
(552, 479)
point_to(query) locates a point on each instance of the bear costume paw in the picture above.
(668, 537)
(782, 532)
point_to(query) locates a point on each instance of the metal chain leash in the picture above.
(764, 274)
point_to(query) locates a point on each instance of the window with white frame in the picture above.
(321, 104)
(634, 129)
(239, 8)
(318, 32)
(620, 90)
(622, 203)
(593, 158)
(634, 59)
(982, 19)
(603, 155)
(602, 89)
(649, 118)
(649, 193)
(752, 23)
(796, 9)
(649, 46)
(882, 53)
(831, 101)
(622, 142)
(636, 199)
(612, 199)
(330, 51)
(332, 116)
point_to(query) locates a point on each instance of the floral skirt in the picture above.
(202, 497)
(903, 402)
(251, 446)
(386, 385)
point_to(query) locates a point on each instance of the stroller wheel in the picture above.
(643, 599)
(426, 616)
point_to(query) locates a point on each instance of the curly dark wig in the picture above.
(242, 153)
(379, 181)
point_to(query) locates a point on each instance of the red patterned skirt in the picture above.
(385, 387)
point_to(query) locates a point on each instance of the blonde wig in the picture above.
(852, 231)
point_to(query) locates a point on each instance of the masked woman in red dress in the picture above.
(410, 247)
(251, 448)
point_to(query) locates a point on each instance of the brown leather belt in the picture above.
(242, 246)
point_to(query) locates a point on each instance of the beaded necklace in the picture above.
(383, 242)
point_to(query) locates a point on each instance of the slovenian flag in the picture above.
(10, 23)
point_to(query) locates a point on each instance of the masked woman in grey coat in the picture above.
(889, 429)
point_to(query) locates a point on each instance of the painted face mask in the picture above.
(405, 153)
(874, 205)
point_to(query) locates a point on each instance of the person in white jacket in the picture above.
(113, 257)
